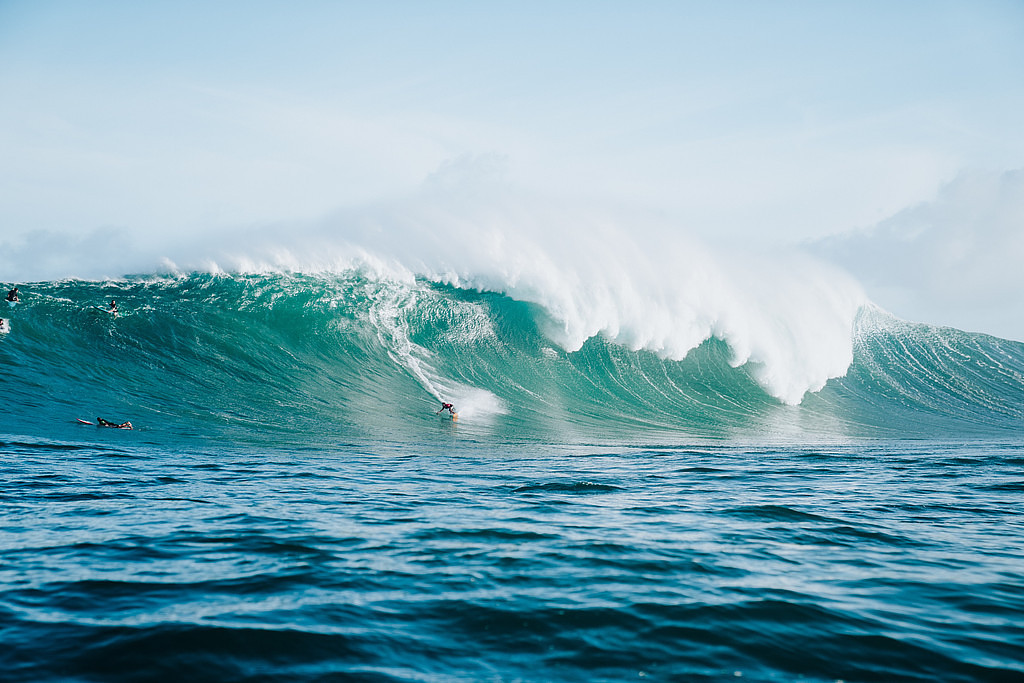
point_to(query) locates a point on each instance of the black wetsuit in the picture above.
(107, 423)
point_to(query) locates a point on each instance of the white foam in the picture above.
(389, 303)
(634, 280)
(637, 280)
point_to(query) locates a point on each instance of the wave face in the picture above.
(272, 357)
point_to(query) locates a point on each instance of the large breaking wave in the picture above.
(368, 351)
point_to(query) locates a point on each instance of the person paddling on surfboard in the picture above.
(113, 306)
(12, 295)
(100, 422)
(446, 406)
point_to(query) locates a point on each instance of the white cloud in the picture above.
(955, 260)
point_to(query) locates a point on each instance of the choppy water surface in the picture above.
(449, 560)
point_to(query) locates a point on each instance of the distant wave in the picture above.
(352, 354)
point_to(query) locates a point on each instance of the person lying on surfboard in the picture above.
(100, 422)
(446, 406)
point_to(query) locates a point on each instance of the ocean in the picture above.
(731, 483)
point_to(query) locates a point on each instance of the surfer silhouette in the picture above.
(100, 422)
(446, 406)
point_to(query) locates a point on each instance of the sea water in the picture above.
(764, 499)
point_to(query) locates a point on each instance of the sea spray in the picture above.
(631, 279)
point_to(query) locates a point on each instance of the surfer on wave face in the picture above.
(446, 406)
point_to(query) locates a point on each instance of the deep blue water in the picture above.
(445, 561)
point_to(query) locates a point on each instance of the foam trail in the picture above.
(391, 301)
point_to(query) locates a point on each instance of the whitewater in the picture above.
(674, 460)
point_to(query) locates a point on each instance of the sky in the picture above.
(874, 133)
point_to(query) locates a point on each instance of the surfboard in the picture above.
(85, 422)
(12, 304)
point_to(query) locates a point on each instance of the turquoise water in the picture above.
(289, 507)
(315, 360)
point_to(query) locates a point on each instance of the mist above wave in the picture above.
(632, 278)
